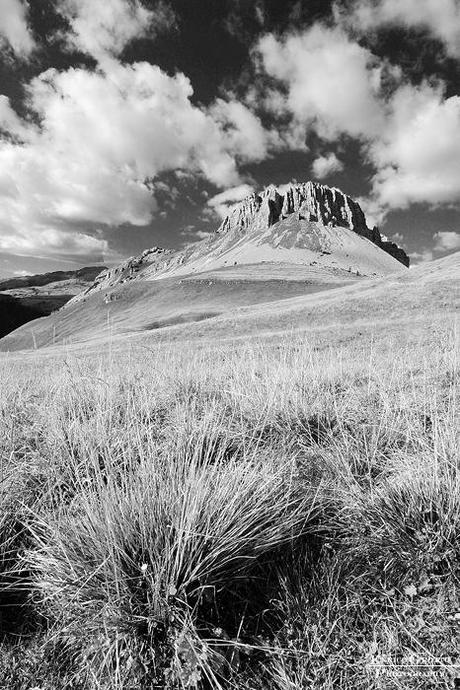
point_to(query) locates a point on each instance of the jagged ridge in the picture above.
(313, 202)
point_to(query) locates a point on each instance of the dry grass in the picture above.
(250, 517)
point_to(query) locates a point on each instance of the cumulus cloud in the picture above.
(399, 239)
(104, 136)
(446, 241)
(103, 29)
(192, 234)
(440, 17)
(53, 242)
(417, 155)
(224, 202)
(332, 82)
(421, 257)
(244, 131)
(10, 124)
(326, 165)
(14, 30)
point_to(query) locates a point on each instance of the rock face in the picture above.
(393, 249)
(312, 202)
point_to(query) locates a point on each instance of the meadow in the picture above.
(248, 515)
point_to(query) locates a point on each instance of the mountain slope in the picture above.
(225, 305)
(151, 305)
(307, 224)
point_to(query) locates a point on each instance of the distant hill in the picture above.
(14, 314)
(27, 298)
(86, 275)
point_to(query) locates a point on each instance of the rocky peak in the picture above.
(313, 202)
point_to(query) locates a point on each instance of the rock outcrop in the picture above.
(312, 202)
(124, 272)
(128, 269)
(393, 249)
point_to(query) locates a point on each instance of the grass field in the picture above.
(251, 514)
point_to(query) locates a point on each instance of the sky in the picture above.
(126, 124)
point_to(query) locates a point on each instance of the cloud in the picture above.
(260, 12)
(332, 83)
(53, 242)
(10, 124)
(399, 239)
(373, 209)
(224, 202)
(192, 234)
(417, 154)
(14, 30)
(421, 257)
(103, 29)
(326, 165)
(104, 137)
(244, 131)
(440, 17)
(446, 241)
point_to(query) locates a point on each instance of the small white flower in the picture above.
(144, 567)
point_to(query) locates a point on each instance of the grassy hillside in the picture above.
(152, 305)
(239, 513)
(266, 300)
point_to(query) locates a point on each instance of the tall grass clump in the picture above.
(152, 578)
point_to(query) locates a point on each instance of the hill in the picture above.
(66, 278)
(26, 298)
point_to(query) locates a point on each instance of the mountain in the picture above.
(284, 243)
(311, 202)
(307, 225)
(25, 298)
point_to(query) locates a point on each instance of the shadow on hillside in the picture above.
(182, 318)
